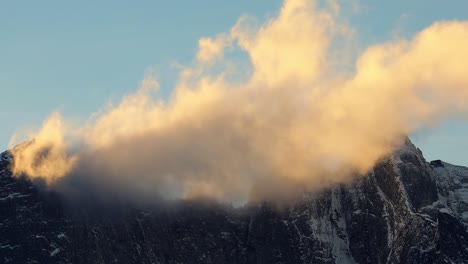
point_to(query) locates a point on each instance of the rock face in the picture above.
(405, 211)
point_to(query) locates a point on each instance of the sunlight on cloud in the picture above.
(299, 123)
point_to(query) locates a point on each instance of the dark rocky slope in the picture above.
(405, 211)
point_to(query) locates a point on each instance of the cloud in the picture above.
(46, 154)
(301, 120)
(210, 49)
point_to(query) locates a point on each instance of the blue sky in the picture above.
(75, 56)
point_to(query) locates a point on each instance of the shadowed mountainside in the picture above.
(404, 211)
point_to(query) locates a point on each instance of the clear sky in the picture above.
(75, 56)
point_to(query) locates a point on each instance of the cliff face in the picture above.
(405, 211)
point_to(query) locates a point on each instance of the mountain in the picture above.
(405, 210)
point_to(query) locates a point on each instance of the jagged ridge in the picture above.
(405, 211)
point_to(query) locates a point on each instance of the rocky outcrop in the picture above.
(404, 211)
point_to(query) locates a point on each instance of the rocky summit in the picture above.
(405, 210)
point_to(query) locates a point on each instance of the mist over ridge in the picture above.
(297, 121)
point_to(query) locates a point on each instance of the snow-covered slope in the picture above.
(404, 211)
(452, 183)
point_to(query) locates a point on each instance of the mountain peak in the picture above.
(405, 211)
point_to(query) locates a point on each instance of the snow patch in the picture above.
(14, 195)
(55, 252)
(8, 247)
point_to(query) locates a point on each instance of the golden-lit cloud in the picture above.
(211, 49)
(46, 155)
(301, 120)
